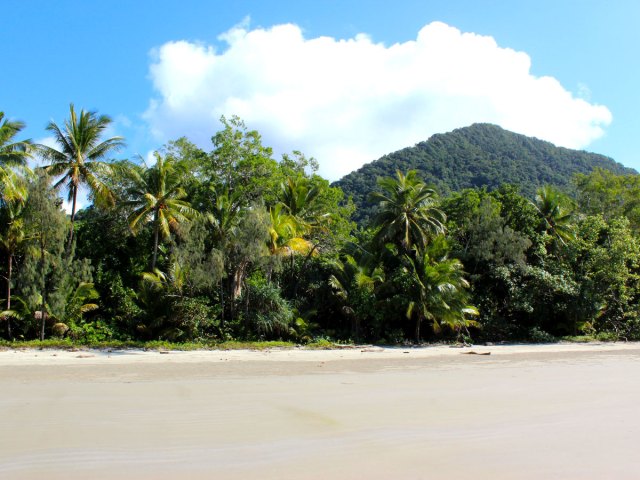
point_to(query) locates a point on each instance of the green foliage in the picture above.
(156, 194)
(602, 192)
(407, 214)
(79, 160)
(200, 265)
(246, 247)
(354, 283)
(557, 211)
(267, 314)
(12, 152)
(481, 155)
(438, 290)
(45, 269)
(482, 236)
(240, 164)
(536, 335)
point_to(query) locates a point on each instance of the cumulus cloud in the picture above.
(349, 101)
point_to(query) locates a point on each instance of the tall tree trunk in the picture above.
(43, 306)
(236, 286)
(238, 279)
(73, 217)
(221, 304)
(418, 322)
(44, 321)
(9, 272)
(156, 235)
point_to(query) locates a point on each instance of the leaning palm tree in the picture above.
(155, 194)
(79, 160)
(407, 215)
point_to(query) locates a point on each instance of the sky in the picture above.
(344, 81)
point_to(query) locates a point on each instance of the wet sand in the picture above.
(525, 412)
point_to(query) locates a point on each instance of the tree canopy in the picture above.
(229, 242)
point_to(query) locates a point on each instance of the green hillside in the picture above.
(477, 156)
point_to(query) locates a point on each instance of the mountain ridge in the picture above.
(480, 155)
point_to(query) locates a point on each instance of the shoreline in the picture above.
(88, 356)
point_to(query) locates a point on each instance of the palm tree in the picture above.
(556, 210)
(439, 289)
(224, 216)
(12, 153)
(408, 215)
(286, 233)
(298, 196)
(79, 160)
(156, 194)
(353, 282)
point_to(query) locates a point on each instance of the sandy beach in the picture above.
(521, 412)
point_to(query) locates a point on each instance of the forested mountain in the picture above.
(477, 156)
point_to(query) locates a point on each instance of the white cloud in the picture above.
(347, 102)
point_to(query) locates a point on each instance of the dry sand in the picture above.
(523, 412)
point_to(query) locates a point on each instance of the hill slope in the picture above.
(477, 156)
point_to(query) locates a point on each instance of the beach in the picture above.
(499, 412)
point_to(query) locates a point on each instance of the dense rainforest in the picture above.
(230, 243)
(482, 155)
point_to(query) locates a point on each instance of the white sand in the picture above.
(525, 412)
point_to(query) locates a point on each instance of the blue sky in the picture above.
(163, 69)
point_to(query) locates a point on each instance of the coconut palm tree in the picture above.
(407, 215)
(13, 152)
(557, 212)
(286, 233)
(155, 194)
(439, 286)
(353, 283)
(298, 196)
(79, 160)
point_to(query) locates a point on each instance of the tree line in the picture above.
(231, 243)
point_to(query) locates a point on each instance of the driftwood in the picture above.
(475, 353)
